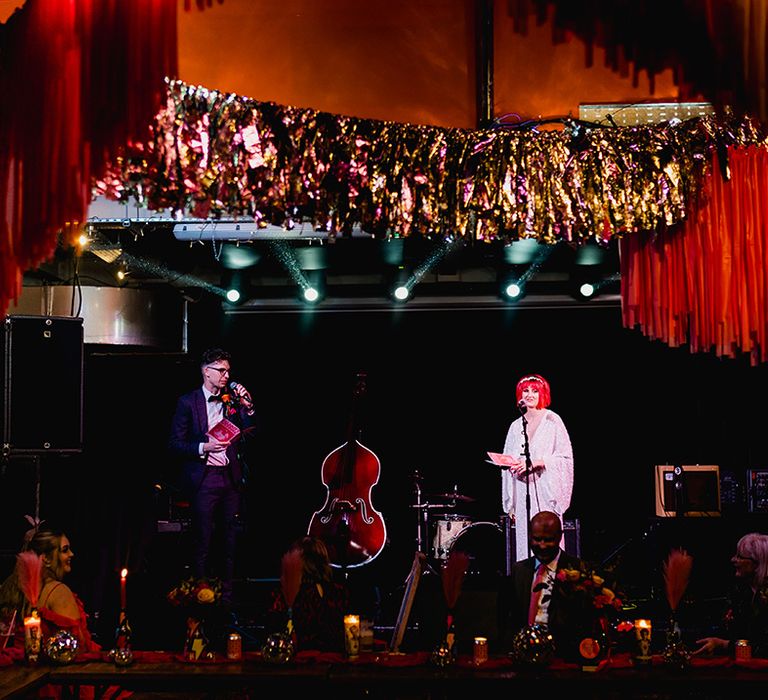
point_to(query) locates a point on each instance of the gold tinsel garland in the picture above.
(218, 155)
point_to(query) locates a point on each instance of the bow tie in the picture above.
(214, 397)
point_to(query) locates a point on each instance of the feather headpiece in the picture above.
(29, 570)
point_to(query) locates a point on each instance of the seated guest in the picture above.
(533, 594)
(318, 610)
(747, 616)
(58, 606)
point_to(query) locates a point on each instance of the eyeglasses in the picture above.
(220, 370)
(741, 556)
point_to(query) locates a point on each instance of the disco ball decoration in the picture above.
(278, 649)
(121, 657)
(443, 655)
(533, 646)
(61, 647)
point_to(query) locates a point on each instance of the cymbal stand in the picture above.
(422, 520)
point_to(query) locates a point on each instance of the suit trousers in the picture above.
(216, 501)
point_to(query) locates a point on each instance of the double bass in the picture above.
(351, 528)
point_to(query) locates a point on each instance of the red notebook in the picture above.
(224, 431)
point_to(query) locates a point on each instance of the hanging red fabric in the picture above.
(86, 77)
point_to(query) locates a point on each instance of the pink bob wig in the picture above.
(537, 382)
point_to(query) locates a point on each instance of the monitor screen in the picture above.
(694, 490)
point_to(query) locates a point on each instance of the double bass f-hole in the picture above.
(338, 506)
(351, 528)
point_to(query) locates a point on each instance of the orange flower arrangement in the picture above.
(589, 585)
(194, 591)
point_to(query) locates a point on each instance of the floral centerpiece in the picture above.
(197, 596)
(590, 586)
(598, 604)
(195, 591)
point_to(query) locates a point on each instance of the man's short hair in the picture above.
(214, 355)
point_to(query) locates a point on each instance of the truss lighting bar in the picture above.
(209, 231)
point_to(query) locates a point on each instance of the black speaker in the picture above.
(42, 401)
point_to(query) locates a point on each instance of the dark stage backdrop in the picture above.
(440, 393)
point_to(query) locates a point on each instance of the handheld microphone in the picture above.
(232, 386)
(522, 407)
(243, 396)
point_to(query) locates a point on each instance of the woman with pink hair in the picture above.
(548, 483)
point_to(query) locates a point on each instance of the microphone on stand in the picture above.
(522, 407)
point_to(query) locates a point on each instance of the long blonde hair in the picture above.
(47, 543)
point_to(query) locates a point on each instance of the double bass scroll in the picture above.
(351, 528)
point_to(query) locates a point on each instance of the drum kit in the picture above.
(442, 529)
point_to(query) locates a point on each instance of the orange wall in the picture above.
(402, 60)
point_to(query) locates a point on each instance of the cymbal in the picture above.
(452, 497)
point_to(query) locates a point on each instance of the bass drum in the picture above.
(484, 545)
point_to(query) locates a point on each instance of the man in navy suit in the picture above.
(566, 619)
(213, 472)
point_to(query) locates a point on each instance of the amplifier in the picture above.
(571, 533)
(757, 490)
(173, 525)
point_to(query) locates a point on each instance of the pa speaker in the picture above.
(42, 401)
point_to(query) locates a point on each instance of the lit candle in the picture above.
(643, 636)
(123, 576)
(480, 650)
(32, 636)
(352, 635)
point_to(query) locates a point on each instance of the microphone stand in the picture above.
(528, 471)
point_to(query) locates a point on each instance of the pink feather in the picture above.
(677, 572)
(292, 568)
(453, 576)
(29, 570)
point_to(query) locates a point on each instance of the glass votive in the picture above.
(352, 635)
(480, 650)
(642, 656)
(366, 636)
(32, 637)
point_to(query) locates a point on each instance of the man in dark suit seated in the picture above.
(532, 593)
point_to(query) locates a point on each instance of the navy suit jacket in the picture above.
(567, 621)
(188, 429)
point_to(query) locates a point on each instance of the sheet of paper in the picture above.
(501, 459)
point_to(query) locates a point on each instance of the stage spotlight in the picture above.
(122, 273)
(400, 282)
(234, 284)
(401, 293)
(312, 286)
(587, 273)
(511, 282)
(513, 290)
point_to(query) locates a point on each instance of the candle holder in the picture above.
(642, 655)
(32, 637)
(480, 651)
(352, 635)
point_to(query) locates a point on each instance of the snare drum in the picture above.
(447, 527)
